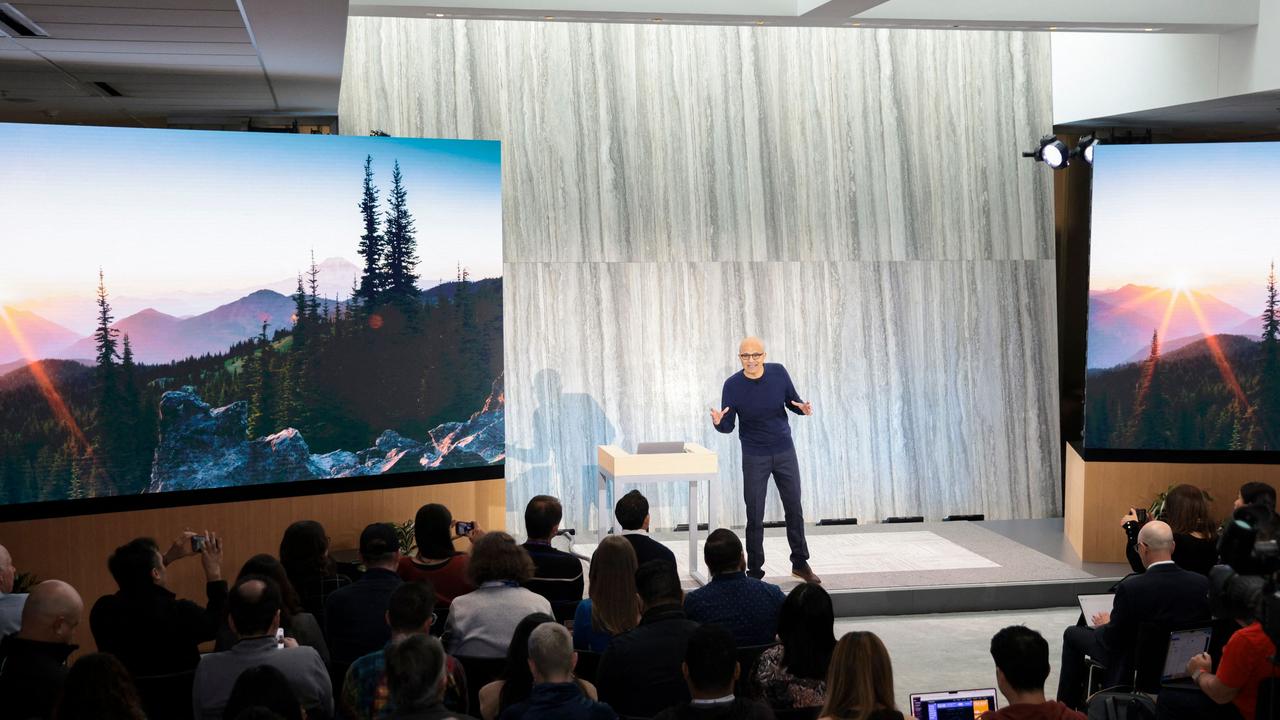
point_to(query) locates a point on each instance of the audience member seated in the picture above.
(555, 694)
(304, 553)
(557, 574)
(1256, 493)
(632, 512)
(613, 607)
(416, 679)
(409, 612)
(254, 609)
(1195, 536)
(481, 622)
(1165, 595)
(747, 606)
(639, 673)
(711, 670)
(258, 712)
(1021, 656)
(145, 625)
(98, 688)
(516, 682)
(436, 560)
(860, 681)
(793, 674)
(297, 623)
(10, 602)
(33, 662)
(1231, 692)
(356, 615)
(264, 687)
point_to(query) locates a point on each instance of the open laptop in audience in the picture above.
(1183, 645)
(954, 704)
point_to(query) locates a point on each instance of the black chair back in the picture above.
(166, 696)
(804, 713)
(480, 672)
(1269, 699)
(588, 664)
(747, 657)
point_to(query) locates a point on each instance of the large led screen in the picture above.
(1184, 324)
(186, 310)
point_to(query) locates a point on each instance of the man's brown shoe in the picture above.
(806, 574)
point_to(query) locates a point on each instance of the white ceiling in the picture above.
(171, 59)
(1177, 16)
(210, 61)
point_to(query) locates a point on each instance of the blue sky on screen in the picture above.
(1203, 216)
(171, 211)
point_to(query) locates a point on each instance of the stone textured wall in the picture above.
(854, 197)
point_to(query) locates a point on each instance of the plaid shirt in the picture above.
(365, 695)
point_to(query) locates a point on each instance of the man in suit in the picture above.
(1164, 595)
(632, 512)
(558, 574)
(639, 674)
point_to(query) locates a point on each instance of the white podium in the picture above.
(696, 465)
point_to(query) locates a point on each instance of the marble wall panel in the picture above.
(933, 383)
(854, 197)
(645, 143)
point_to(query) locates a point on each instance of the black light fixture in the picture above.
(1084, 148)
(1052, 152)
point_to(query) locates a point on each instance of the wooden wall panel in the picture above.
(75, 549)
(1099, 493)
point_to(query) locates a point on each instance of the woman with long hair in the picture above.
(612, 606)
(304, 553)
(98, 687)
(1195, 534)
(793, 674)
(437, 561)
(860, 681)
(294, 618)
(516, 682)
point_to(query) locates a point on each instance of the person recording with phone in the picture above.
(1195, 535)
(144, 624)
(437, 560)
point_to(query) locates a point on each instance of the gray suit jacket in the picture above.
(302, 666)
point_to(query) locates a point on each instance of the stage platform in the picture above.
(941, 567)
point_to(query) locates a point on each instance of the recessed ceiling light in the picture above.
(657, 19)
(856, 24)
(1053, 27)
(1148, 29)
(548, 17)
(439, 14)
(759, 22)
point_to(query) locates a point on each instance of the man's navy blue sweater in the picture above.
(761, 404)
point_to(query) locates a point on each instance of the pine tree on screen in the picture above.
(1150, 425)
(107, 434)
(400, 257)
(1270, 378)
(263, 398)
(370, 248)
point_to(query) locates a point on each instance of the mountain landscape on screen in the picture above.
(1216, 389)
(354, 367)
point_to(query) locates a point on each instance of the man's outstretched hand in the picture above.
(718, 415)
(805, 407)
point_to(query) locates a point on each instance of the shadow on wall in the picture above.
(561, 461)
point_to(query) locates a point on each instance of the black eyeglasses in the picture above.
(751, 356)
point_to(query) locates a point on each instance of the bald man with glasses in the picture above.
(758, 396)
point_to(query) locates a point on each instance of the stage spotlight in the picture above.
(1052, 152)
(1085, 147)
